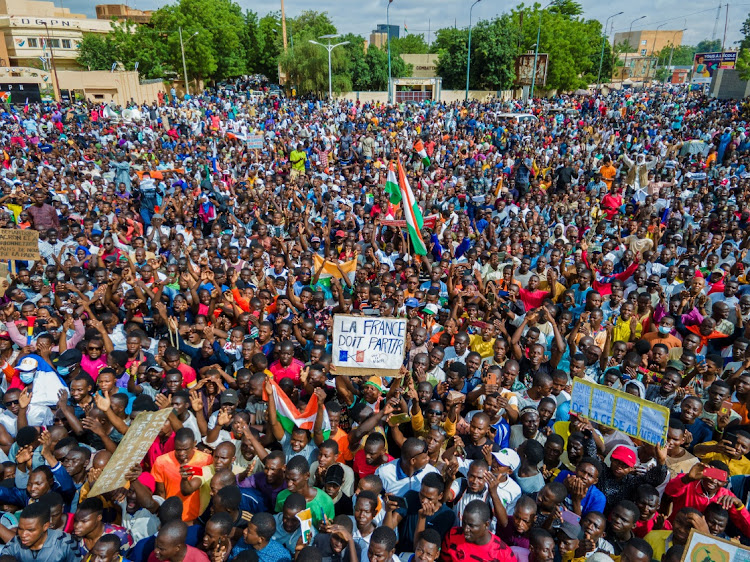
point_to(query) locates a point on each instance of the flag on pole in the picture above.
(391, 186)
(290, 417)
(406, 30)
(419, 149)
(412, 212)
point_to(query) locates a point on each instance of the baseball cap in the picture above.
(625, 455)
(430, 308)
(335, 475)
(507, 457)
(315, 239)
(570, 529)
(68, 358)
(28, 364)
(229, 397)
(411, 302)
(341, 234)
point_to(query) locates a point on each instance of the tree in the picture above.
(451, 46)
(306, 67)
(709, 46)
(97, 52)
(269, 31)
(743, 64)
(745, 30)
(409, 44)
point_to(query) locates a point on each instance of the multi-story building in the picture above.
(646, 42)
(122, 12)
(31, 31)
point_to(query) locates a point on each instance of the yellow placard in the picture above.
(17, 244)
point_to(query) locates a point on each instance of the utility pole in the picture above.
(283, 25)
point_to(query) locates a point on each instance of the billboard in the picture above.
(525, 69)
(705, 64)
(20, 93)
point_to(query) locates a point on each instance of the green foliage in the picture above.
(743, 64)
(708, 46)
(306, 67)
(682, 56)
(410, 44)
(97, 52)
(745, 30)
(493, 52)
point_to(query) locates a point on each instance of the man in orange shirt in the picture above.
(184, 461)
(608, 172)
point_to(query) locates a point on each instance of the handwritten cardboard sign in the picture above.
(365, 345)
(130, 451)
(255, 142)
(16, 244)
(619, 410)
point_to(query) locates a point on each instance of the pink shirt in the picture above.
(92, 367)
(291, 372)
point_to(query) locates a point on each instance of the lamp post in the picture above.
(52, 60)
(184, 66)
(671, 52)
(653, 49)
(626, 53)
(604, 40)
(536, 50)
(468, 54)
(388, 39)
(328, 47)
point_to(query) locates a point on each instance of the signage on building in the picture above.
(705, 64)
(20, 94)
(525, 69)
(43, 21)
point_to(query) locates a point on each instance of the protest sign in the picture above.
(702, 548)
(130, 451)
(365, 346)
(16, 244)
(255, 142)
(619, 410)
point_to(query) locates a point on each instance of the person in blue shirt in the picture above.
(258, 535)
(583, 495)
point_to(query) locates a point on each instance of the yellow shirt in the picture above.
(660, 541)
(736, 466)
(483, 348)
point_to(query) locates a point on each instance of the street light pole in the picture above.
(653, 49)
(184, 66)
(622, 76)
(671, 52)
(388, 39)
(468, 54)
(536, 50)
(328, 47)
(604, 40)
(52, 60)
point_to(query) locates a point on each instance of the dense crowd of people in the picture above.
(602, 238)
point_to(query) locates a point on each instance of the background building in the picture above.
(379, 35)
(122, 12)
(30, 30)
(647, 42)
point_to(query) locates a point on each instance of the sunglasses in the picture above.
(95, 348)
(434, 412)
(11, 403)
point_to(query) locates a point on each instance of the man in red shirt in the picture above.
(170, 545)
(287, 367)
(473, 540)
(371, 456)
(696, 490)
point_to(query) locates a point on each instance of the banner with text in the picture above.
(624, 412)
(130, 451)
(16, 244)
(365, 346)
(705, 65)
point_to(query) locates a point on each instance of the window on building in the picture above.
(33, 43)
(55, 43)
(643, 42)
(66, 43)
(643, 52)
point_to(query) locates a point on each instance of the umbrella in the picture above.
(694, 147)
(582, 92)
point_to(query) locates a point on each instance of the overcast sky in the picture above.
(361, 16)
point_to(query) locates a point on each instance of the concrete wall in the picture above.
(103, 86)
(726, 84)
(423, 66)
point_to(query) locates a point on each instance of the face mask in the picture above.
(62, 371)
(27, 377)
(664, 330)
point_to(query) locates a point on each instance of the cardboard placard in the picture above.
(255, 142)
(16, 244)
(700, 548)
(365, 345)
(130, 451)
(619, 410)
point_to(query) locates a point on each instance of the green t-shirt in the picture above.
(297, 158)
(321, 504)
